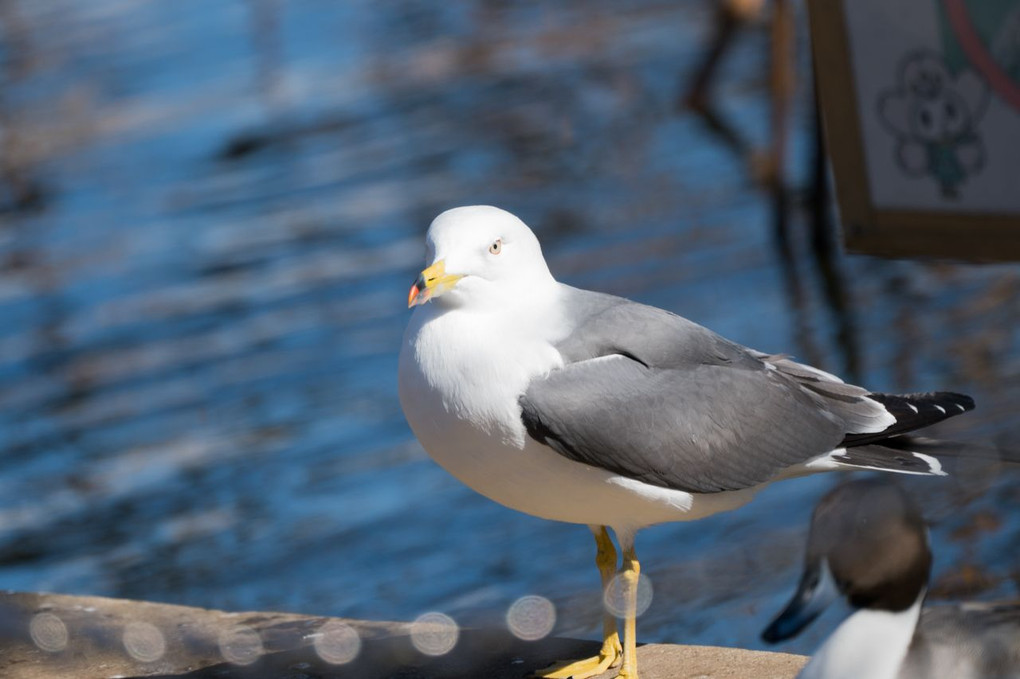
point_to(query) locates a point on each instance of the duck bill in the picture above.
(432, 282)
(817, 590)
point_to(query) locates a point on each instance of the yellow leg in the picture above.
(605, 559)
(609, 654)
(630, 573)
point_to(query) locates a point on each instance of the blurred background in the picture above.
(211, 212)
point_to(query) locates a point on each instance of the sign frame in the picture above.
(867, 228)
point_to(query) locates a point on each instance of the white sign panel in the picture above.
(938, 96)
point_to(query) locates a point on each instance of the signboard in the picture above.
(921, 103)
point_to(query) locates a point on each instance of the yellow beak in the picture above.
(432, 282)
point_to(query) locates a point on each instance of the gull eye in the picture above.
(497, 246)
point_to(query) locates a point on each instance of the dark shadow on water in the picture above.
(22, 191)
(822, 253)
(825, 250)
(768, 168)
(696, 88)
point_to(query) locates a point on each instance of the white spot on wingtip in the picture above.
(962, 409)
(912, 407)
(941, 409)
(932, 462)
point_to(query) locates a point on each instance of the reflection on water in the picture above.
(203, 303)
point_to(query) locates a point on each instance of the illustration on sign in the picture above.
(934, 109)
(934, 118)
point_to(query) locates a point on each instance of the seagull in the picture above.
(583, 407)
(869, 545)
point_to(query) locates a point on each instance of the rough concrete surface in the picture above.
(76, 637)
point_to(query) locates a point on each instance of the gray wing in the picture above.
(652, 396)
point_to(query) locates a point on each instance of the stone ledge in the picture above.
(80, 637)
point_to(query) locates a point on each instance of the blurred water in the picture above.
(211, 215)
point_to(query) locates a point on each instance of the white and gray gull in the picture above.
(583, 407)
(869, 545)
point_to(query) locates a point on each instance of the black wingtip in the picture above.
(963, 402)
(913, 411)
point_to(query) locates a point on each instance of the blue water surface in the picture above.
(203, 305)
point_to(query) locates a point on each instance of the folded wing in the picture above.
(654, 397)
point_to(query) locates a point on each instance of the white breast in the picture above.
(467, 371)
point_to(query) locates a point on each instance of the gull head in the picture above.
(868, 545)
(479, 255)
